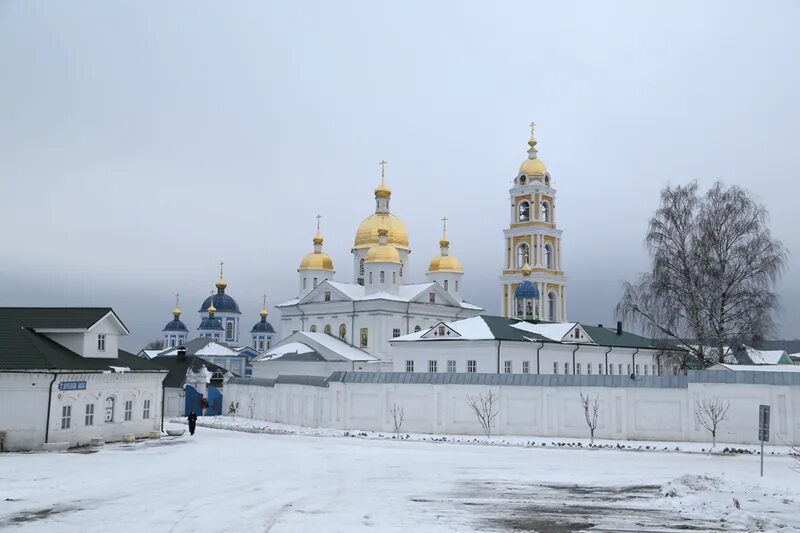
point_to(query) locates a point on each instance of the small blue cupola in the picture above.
(526, 297)
(175, 332)
(262, 333)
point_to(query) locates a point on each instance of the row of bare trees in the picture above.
(709, 413)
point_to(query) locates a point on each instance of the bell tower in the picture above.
(533, 242)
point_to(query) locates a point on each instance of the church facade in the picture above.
(379, 302)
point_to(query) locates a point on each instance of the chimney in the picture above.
(619, 327)
(599, 325)
(181, 353)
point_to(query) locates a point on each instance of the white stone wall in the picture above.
(25, 397)
(638, 413)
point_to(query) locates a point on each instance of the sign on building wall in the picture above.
(763, 423)
(72, 385)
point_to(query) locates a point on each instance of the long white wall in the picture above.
(635, 412)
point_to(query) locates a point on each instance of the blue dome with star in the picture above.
(525, 290)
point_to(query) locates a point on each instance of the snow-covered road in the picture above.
(232, 481)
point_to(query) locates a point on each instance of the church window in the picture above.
(524, 211)
(637, 370)
(566, 368)
(342, 331)
(313, 328)
(523, 255)
(383, 276)
(446, 285)
(172, 341)
(526, 367)
(523, 179)
(578, 368)
(364, 337)
(402, 264)
(545, 211)
(88, 419)
(589, 368)
(394, 277)
(507, 367)
(327, 329)
(551, 306)
(409, 365)
(548, 255)
(547, 179)
(519, 308)
(417, 328)
(327, 296)
(361, 268)
(630, 369)
(315, 283)
(395, 333)
(370, 278)
(610, 370)
(269, 342)
(109, 415)
(472, 366)
(555, 367)
(654, 370)
(304, 282)
(441, 331)
(260, 344)
(620, 369)
(432, 297)
(433, 366)
(456, 285)
(146, 410)
(66, 416)
(229, 330)
(451, 366)
(128, 410)
(101, 342)
(645, 370)
(600, 369)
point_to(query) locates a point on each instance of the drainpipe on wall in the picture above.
(302, 317)
(577, 347)
(49, 402)
(408, 317)
(608, 352)
(353, 325)
(538, 368)
(163, 394)
(498, 355)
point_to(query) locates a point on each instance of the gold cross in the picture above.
(317, 217)
(265, 300)
(221, 264)
(532, 125)
(177, 299)
(444, 225)
(383, 167)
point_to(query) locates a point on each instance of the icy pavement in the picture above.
(223, 480)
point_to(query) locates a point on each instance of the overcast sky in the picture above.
(142, 142)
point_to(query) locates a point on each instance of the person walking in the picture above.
(192, 418)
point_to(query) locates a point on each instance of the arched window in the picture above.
(417, 328)
(109, 414)
(548, 255)
(313, 329)
(342, 331)
(361, 268)
(545, 211)
(547, 179)
(327, 329)
(229, 330)
(524, 211)
(456, 285)
(523, 255)
(446, 285)
(551, 306)
(523, 179)
(402, 264)
(383, 276)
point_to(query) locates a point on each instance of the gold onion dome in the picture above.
(367, 233)
(526, 269)
(382, 190)
(383, 252)
(532, 166)
(176, 312)
(445, 262)
(263, 312)
(317, 260)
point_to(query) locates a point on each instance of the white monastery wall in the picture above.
(635, 412)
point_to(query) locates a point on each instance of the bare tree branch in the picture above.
(710, 412)
(591, 409)
(397, 417)
(485, 410)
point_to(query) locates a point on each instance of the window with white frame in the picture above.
(326, 329)
(566, 368)
(472, 366)
(620, 369)
(229, 330)
(433, 366)
(395, 333)
(446, 285)
(394, 277)
(637, 370)
(128, 410)
(361, 268)
(507, 367)
(442, 331)
(451, 366)
(431, 297)
(526, 367)
(261, 344)
(645, 370)
(370, 278)
(578, 368)
(409, 366)
(610, 370)
(417, 328)
(88, 419)
(304, 282)
(600, 368)
(327, 296)
(654, 370)
(555, 367)
(383, 276)
(588, 369)
(630, 369)
(315, 283)
(146, 410)
(364, 338)
(66, 416)
(109, 414)
(456, 285)
(101, 342)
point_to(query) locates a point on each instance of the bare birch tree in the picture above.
(485, 410)
(710, 412)
(591, 410)
(397, 418)
(714, 265)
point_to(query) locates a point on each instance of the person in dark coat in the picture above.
(192, 418)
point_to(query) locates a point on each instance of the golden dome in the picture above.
(383, 253)
(367, 234)
(382, 190)
(526, 269)
(263, 312)
(221, 283)
(176, 312)
(211, 309)
(533, 167)
(445, 263)
(316, 261)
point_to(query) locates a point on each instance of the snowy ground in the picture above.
(221, 480)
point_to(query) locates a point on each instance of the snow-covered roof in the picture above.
(555, 331)
(474, 328)
(149, 354)
(203, 346)
(327, 346)
(764, 357)
(756, 368)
